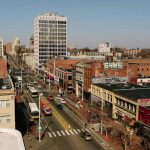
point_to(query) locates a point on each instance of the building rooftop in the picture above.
(11, 139)
(128, 90)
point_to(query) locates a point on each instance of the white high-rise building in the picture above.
(50, 37)
(1, 47)
(104, 48)
(16, 42)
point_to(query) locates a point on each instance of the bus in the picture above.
(34, 110)
(33, 91)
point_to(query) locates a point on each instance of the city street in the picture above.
(63, 131)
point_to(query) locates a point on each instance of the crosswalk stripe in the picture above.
(54, 134)
(67, 132)
(71, 131)
(79, 130)
(82, 130)
(63, 133)
(75, 131)
(50, 134)
(58, 133)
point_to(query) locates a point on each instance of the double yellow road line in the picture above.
(60, 119)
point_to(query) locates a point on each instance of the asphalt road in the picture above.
(63, 132)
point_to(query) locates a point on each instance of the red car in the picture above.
(50, 98)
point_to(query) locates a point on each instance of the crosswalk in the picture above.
(62, 133)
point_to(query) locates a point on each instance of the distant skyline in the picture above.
(123, 23)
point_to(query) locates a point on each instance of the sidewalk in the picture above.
(111, 139)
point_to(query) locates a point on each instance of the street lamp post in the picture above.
(39, 128)
(49, 78)
(101, 114)
(21, 78)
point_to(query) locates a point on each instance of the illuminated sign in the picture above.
(113, 65)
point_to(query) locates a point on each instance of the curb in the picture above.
(79, 118)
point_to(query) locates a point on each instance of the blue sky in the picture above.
(123, 23)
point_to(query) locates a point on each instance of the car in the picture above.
(62, 101)
(50, 98)
(28, 85)
(58, 104)
(58, 97)
(34, 82)
(86, 135)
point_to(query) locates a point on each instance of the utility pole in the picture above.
(39, 128)
(83, 84)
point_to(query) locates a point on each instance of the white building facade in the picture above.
(50, 37)
(1, 47)
(16, 42)
(7, 104)
(104, 48)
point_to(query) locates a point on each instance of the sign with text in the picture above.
(113, 65)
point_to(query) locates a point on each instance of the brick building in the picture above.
(120, 101)
(3, 68)
(144, 114)
(91, 70)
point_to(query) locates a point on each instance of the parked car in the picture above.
(28, 84)
(34, 82)
(50, 98)
(62, 101)
(86, 135)
(58, 97)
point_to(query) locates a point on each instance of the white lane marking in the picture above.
(67, 132)
(58, 133)
(54, 134)
(75, 131)
(50, 135)
(71, 131)
(79, 130)
(63, 133)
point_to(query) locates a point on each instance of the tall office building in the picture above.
(1, 47)
(50, 37)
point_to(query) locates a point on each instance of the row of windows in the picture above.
(52, 34)
(126, 105)
(51, 38)
(50, 21)
(53, 46)
(52, 26)
(4, 104)
(50, 53)
(143, 69)
(5, 119)
(41, 29)
(53, 42)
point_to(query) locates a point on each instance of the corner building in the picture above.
(50, 37)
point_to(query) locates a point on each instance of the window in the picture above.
(4, 104)
(5, 119)
(69, 77)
